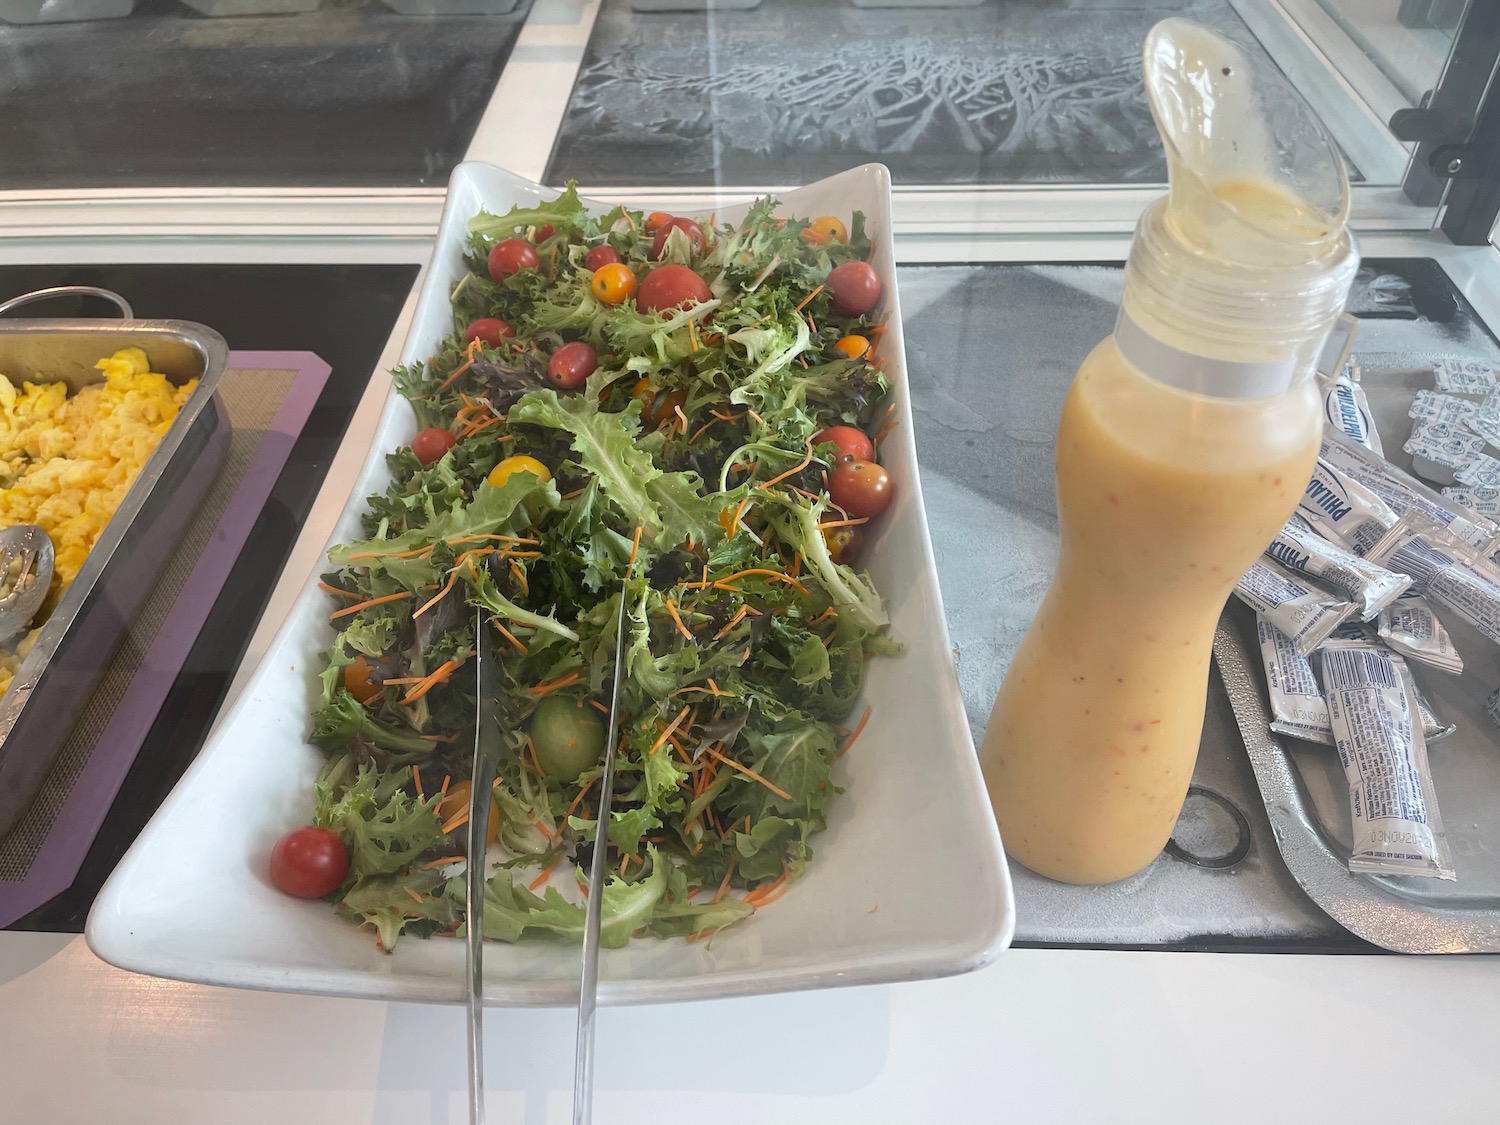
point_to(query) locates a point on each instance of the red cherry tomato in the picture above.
(511, 255)
(600, 256)
(850, 442)
(571, 365)
(488, 329)
(670, 287)
(853, 288)
(861, 488)
(686, 226)
(430, 444)
(543, 232)
(309, 862)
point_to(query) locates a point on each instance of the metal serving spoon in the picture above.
(25, 575)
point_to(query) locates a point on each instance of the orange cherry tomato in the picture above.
(359, 680)
(456, 800)
(657, 407)
(656, 220)
(613, 283)
(844, 544)
(855, 347)
(825, 229)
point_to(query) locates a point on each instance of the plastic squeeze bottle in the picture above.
(1186, 439)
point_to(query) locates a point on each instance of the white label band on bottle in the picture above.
(1204, 375)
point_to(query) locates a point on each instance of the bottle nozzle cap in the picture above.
(1252, 169)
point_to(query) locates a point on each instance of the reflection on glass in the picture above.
(1408, 40)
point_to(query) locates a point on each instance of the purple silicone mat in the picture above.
(159, 658)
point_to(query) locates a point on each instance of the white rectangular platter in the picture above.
(908, 881)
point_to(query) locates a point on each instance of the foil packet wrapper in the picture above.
(1430, 406)
(1411, 627)
(1457, 376)
(1377, 729)
(1299, 607)
(1442, 569)
(1439, 450)
(1369, 586)
(1343, 510)
(1402, 492)
(1484, 499)
(1295, 692)
(1347, 409)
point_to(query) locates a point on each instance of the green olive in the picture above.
(568, 736)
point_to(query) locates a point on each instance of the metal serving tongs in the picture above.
(588, 983)
(26, 558)
(488, 746)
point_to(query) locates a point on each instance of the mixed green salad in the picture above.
(629, 406)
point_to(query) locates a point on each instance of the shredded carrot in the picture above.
(546, 873)
(770, 892)
(405, 680)
(824, 526)
(734, 520)
(635, 545)
(788, 579)
(724, 884)
(345, 612)
(756, 416)
(624, 863)
(677, 619)
(441, 594)
(543, 829)
(681, 417)
(693, 339)
(447, 859)
(439, 737)
(431, 681)
(509, 636)
(808, 298)
(458, 820)
(471, 355)
(415, 897)
(520, 574)
(739, 615)
(476, 538)
(699, 432)
(555, 683)
(344, 593)
(796, 569)
(667, 733)
(416, 779)
(824, 616)
(600, 706)
(748, 772)
(391, 555)
(849, 742)
(579, 798)
(792, 471)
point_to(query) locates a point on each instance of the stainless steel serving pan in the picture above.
(78, 640)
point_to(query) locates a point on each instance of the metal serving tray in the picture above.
(78, 640)
(1302, 783)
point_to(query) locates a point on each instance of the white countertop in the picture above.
(1042, 1036)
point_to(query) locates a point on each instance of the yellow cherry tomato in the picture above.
(613, 283)
(359, 680)
(825, 229)
(518, 464)
(456, 800)
(854, 347)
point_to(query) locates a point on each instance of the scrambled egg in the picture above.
(66, 463)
